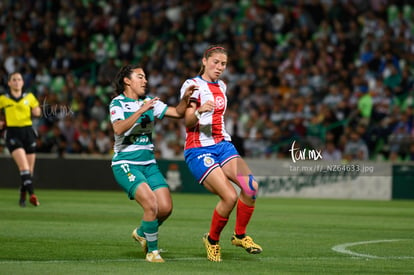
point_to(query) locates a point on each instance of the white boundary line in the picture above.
(343, 248)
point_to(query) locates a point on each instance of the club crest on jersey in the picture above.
(208, 161)
(220, 103)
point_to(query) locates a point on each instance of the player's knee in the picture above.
(163, 215)
(232, 198)
(229, 199)
(165, 212)
(151, 209)
(250, 187)
(255, 185)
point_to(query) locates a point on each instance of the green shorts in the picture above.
(130, 176)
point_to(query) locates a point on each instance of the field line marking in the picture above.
(343, 248)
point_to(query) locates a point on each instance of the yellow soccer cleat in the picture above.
(213, 250)
(247, 243)
(154, 257)
(141, 240)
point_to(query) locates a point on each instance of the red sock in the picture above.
(217, 224)
(244, 213)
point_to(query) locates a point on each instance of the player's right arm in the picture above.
(193, 112)
(120, 125)
(2, 120)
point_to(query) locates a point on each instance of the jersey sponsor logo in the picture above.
(113, 112)
(208, 161)
(203, 155)
(142, 139)
(220, 103)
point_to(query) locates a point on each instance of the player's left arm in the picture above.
(36, 111)
(34, 105)
(179, 110)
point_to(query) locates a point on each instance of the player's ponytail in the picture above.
(210, 50)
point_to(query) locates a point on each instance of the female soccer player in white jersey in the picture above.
(213, 159)
(132, 115)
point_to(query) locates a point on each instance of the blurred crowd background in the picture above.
(331, 75)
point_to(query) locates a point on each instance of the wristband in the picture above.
(197, 114)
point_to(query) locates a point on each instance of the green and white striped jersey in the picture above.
(135, 145)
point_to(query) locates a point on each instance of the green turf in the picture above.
(88, 232)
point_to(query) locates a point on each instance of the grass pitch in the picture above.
(88, 232)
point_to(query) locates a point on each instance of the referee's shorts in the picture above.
(21, 137)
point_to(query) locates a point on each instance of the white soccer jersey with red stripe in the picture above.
(210, 128)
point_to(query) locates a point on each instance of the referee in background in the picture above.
(19, 107)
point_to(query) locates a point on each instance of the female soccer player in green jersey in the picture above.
(132, 115)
